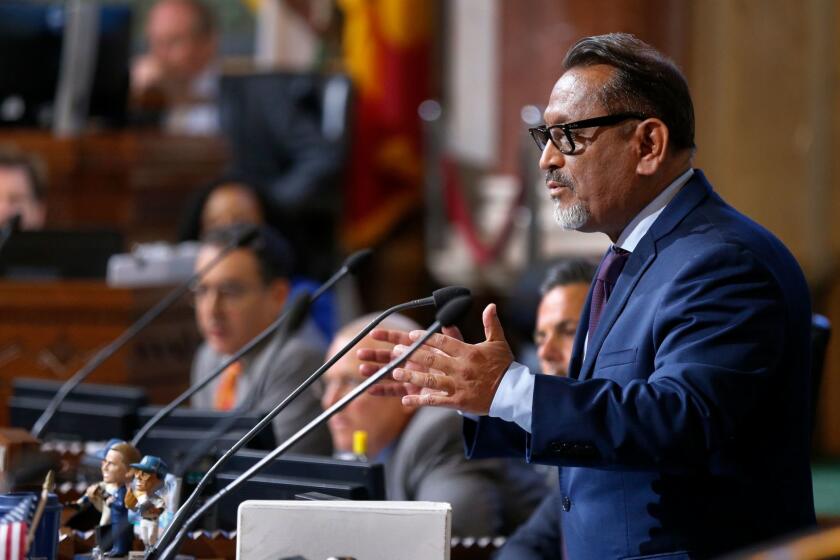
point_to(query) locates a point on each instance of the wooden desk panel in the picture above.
(49, 329)
(134, 181)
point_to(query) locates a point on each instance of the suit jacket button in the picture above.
(555, 446)
(567, 503)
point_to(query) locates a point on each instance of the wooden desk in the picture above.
(137, 182)
(49, 329)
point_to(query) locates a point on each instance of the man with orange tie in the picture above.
(236, 300)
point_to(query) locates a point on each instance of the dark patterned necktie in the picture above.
(605, 281)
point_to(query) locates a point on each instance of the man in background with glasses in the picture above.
(683, 428)
(235, 301)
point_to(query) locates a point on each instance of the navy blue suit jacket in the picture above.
(685, 430)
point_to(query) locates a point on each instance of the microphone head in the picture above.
(246, 234)
(356, 260)
(444, 295)
(454, 311)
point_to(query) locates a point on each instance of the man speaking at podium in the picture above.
(683, 427)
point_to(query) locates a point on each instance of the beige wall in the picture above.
(763, 75)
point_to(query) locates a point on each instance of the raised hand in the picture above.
(447, 371)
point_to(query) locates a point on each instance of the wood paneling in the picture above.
(135, 182)
(50, 329)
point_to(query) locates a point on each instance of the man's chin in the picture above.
(572, 216)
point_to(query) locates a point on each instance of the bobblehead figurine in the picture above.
(148, 498)
(114, 534)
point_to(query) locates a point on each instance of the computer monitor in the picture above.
(292, 477)
(188, 435)
(91, 412)
(35, 255)
(31, 40)
(127, 395)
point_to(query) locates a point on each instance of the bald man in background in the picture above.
(179, 73)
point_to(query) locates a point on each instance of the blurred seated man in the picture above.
(422, 450)
(179, 73)
(232, 200)
(564, 293)
(236, 300)
(22, 190)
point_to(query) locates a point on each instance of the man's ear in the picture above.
(278, 291)
(652, 140)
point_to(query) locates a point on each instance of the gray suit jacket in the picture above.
(488, 496)
(271, 373)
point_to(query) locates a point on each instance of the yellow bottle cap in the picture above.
(360, 442)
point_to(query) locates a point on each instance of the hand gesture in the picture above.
(447, 371)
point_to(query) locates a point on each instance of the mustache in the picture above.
(557, 176)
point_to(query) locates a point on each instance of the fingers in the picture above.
(446, 344)
(388, 389)
(435, 381)
(493, 330)
(377, 355)
(428, 399)
(453, 332)
(394, 337)
(427, 359)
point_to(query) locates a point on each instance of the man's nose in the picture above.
(551, 157)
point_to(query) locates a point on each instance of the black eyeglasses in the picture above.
(561, 134)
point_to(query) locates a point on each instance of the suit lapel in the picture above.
(642, 257)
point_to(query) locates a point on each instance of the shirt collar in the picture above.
(639, 226)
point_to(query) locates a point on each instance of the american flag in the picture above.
(13, 527)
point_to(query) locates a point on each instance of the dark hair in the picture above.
(273, 252)
(645, 81)
(32, 167)
(573, 270)
(190, 227)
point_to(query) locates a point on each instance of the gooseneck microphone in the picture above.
(350, 266)
(246, 236)
(440, 299)
(449, 315)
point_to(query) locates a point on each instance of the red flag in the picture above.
(386, 52)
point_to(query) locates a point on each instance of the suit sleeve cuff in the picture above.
(514, 398)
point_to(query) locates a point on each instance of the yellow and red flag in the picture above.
(386, 54)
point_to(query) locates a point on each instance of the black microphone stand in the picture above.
(246, 237)
(350, 266)
(447, 316)
(440, 298)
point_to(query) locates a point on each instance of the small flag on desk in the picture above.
(13, 527)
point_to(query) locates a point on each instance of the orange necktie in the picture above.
(226, 391)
